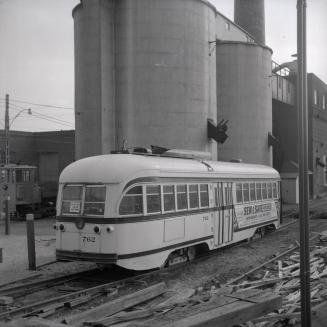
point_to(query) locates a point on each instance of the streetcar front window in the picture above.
(72, 199)
(95, 197)
(132, 202)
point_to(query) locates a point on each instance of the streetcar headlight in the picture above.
(55, 227)
(110, 229)
(62, 227)
(96, 229)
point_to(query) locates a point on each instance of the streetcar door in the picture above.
(223, 226)
(219, 216)
(227, 212)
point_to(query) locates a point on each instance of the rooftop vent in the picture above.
(187, 154)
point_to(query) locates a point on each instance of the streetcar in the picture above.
(18, 184)
(144, 211)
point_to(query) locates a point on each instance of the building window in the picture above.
(324, 102)
(315, 97)
(227, 26)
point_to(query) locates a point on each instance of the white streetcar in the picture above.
(141, 212)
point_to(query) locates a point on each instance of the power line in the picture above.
(52, 121)
(39, 104)
(45, 117)
(52, 117)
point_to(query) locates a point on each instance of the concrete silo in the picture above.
(244, 98)
(94, 76)
(250, 15)
(144, 74)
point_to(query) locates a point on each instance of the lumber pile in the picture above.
(282, 277)
(154, 306)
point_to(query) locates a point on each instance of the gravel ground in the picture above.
(15, 261)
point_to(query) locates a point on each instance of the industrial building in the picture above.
(162, 72)
(286, 131)
(50, 152)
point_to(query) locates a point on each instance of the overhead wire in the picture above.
(42, 116)
(39, 104)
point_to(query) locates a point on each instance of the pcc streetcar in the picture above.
(142, 212)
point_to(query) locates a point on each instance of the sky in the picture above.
(37, 54)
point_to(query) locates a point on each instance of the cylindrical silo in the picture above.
(144, 74)
(244, 98)
(250, 15)
(94, 76)
(165, 83)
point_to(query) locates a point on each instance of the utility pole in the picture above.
(302, 101)
(7, 150)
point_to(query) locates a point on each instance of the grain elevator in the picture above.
(155, 71)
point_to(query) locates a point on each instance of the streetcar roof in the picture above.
(116, 168)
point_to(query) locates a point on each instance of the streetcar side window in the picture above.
(228, 194)
(194, 196)
(275, 191)
(269, 190)
(264, 190)
(95, 197)
(72, 199)
(252, 192)
(258, 191)
(153, 198)
(239, 194)
(246, 196)
(169, 198)
(181, 197)
(204, 195)
(132, 202)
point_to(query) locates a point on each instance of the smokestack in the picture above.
(250, 15)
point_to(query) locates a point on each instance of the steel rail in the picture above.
(22, 288)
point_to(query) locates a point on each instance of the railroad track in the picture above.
(48, 307)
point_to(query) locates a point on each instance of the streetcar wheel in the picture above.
(191, 253)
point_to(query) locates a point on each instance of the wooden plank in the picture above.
(232, 314)
(5, 300)
(117, 305)
(233, 281)
(259, 283)
(35, 275)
